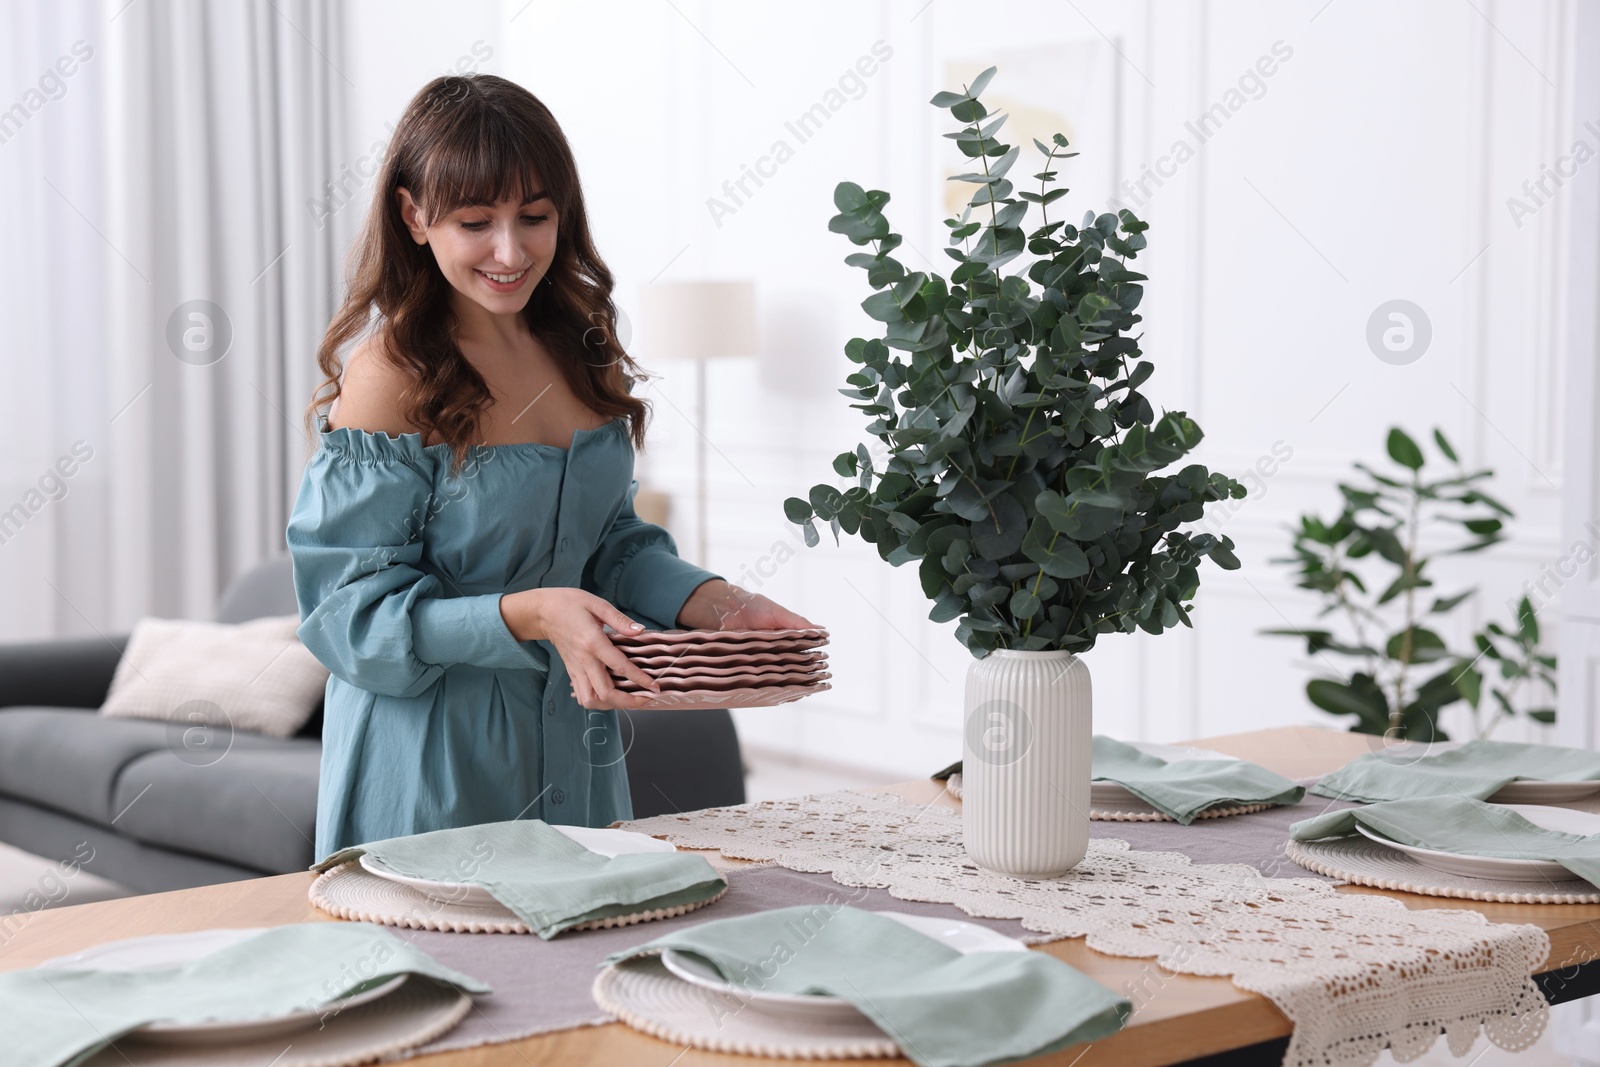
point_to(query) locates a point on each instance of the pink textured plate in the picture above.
(709, 648)
(732, 659)
(719, 648)
(727, 682)
(732, 681)
(763, 671)
(763, 697)
(680, 636)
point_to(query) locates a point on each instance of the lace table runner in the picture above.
(1354, 973)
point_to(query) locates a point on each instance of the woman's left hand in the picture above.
(717, 605)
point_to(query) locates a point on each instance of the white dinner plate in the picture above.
(174, 950)
(1410, 751)
(1109, 796)
(603, 840)
(1564, 820)
(1525, 791)
(1531, 792)
(964, 937)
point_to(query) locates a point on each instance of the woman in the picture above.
(470, 502)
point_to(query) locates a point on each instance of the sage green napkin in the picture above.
(1477, 769)
(1184, 788)
(943, 1008)
(62, 1016)
(547, 879)
(1462, 826)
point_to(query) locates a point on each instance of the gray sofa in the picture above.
(162, 812)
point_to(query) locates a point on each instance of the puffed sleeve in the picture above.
(367, 612)
(637, 568)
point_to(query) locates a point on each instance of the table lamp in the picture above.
(700, 321)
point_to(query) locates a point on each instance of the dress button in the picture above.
(563, 543)
(557, 796)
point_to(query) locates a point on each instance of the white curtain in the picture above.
(167, 276)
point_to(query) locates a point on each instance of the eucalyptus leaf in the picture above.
(1059, 556)
(999, 535)
(980, 83)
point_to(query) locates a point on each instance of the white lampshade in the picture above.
(700, 320)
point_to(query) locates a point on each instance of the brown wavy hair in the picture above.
(468, 139)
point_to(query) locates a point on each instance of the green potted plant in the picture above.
(1368, 566)
(1021, 474)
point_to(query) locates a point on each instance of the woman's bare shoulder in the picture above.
(369, 393)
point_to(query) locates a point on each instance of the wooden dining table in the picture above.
(1194, 1018)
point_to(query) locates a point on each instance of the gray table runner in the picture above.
(1256, 839)
(544, 985)
(541, 986)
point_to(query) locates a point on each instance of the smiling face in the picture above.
(492, 254)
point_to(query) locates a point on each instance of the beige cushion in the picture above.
(254, 676)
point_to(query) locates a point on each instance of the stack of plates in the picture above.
(727, 668)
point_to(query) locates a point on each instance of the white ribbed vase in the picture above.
(1025, 762)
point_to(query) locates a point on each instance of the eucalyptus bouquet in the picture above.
(1022, 458)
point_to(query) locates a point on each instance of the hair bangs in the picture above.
(483, 163)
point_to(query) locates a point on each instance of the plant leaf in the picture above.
(1444, 446)
(1403, 450)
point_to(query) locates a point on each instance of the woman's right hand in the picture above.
(571, 620)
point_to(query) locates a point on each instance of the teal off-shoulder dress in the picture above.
(435, 715)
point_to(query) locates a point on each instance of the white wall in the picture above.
(1373, 164)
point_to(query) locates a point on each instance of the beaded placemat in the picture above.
(1153, 815)
(642, 993)
(417, 1012)
(1366, 862)
(350, 891)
